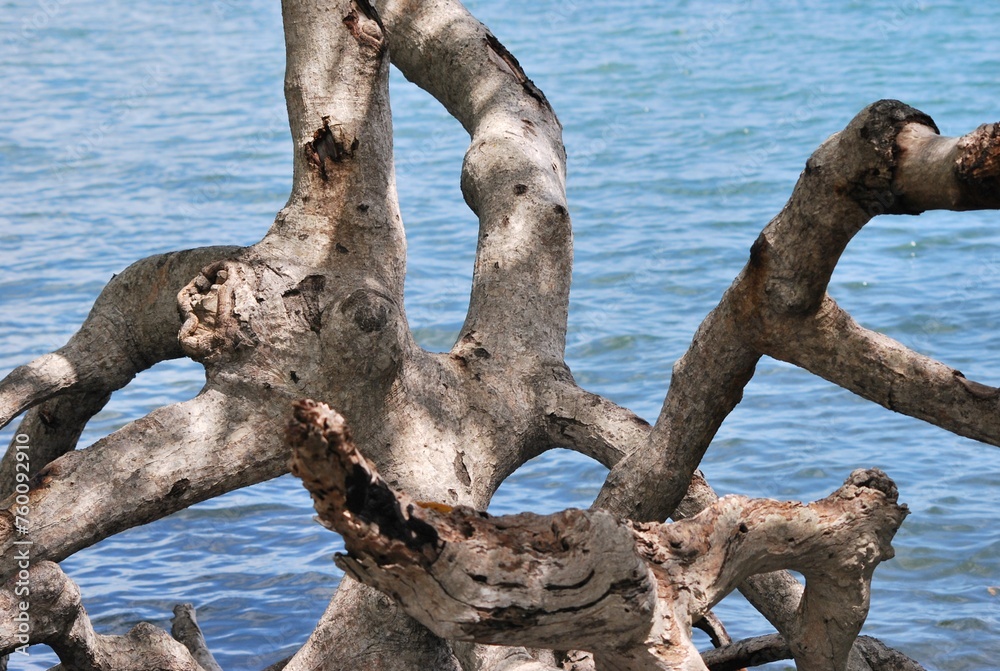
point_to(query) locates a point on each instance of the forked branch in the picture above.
(133, 325)
(889, 160)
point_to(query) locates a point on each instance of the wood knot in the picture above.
(366, 26)
(368, 309)
(211, 331)
(329, 147)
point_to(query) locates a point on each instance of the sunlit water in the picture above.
(131, 128)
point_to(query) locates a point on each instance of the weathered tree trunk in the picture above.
(315, 309)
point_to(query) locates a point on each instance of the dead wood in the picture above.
(630, 593)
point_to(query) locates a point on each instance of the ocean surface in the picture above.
(134, 128)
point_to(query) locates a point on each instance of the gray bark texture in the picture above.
(315, 310)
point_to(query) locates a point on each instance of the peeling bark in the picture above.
(630, 593)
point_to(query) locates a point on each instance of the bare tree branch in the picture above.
(132, 326)
(883, 658)
(591, 424)
(712, 625)
(57, 618)
(887, 160)
(746, 653)
(316, 308)
(173, 457)
(342, 217)
(53, 428)
(596, 427)
(706, 384)
(513, 178)
(279, 665)
(772, 648)
(948, 173)
(184, 628)
(832, 345)
(344, 482)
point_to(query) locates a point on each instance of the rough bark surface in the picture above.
(630, 593)
(315, 309)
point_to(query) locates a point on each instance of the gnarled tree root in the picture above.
(628, 592)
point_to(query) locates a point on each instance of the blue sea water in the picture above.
(132, 128)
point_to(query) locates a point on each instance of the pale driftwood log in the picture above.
(315, 309)
(58, 619)
(627, 592)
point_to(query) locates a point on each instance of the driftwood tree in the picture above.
(315, 309)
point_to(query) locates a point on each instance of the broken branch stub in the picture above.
(517, 580)
(583, 579)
